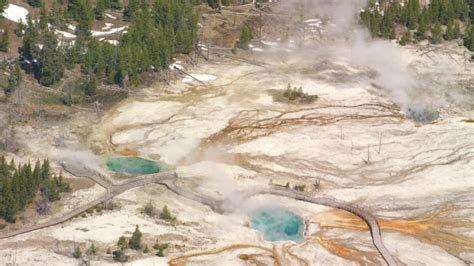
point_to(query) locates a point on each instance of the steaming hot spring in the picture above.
(278, 224)
(133, 165)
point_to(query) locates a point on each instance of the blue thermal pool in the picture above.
(278, 224)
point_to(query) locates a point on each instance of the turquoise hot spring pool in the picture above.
(278, 224)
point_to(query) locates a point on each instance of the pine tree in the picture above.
(35, 3)
(100, 9)
(469, 41)
(436, 33)
(45, 170)
(43, 18)
(85, 19)
(51, 61)
(29, 49)
(3, 4)
(413, 12)
(89, 86)
(52, 191)
(135, 241)
(406, 38)
(4, 41)
(246, 36)
(122, 243)
(9, 202)
(132, 7)
(422, 28)
(450, 33)
(165, 214)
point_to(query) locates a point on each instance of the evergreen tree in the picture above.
(51, 190)
(45, 170)
(89, 86)
(450, 33)
(406, 38)
(469, 39)
(43, 19)
(135, 241)
(85, 19)
(436, 33)
(100, 9)
(13, 80)
(246, 36)
(132, 7)
(4, 41)
(422, 28)
(165, 214)
(122, 243)
(34, 3)
(9, 202)
(413, 12)
(51, 61)
(3, 4)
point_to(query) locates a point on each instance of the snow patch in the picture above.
(71, 27)
(176, 65)
(111, 31)
(107, 26)
(15, 13)
(65, 34)
(109, 16)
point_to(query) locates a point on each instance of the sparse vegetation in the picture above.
(300, 188)
(244, 257)
(297, 94)
(77, 252)
(160, 248)
(166, 214)
(92, 250)
(122, 243)
(149, 209)
(119, 256)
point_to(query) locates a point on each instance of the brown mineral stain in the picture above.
(430, 228)
(182, 260)
(127, 152)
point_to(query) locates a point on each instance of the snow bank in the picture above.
(15, 13)
(257, 49)
(112, 31)
(110, 16)
(114, 42)
(65, 34)
(71, 27)
(107, 26)
(200, 77)
(177, 65)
